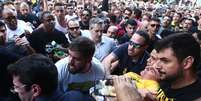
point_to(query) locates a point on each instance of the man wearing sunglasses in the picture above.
(74, 30)
(129, 57)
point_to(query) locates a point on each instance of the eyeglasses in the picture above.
(155, 25)
(10, 18)
(73, 28)
(16, 89)
(85, 14)
(135, 45)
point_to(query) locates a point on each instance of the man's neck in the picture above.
(184, 81)
(87, 68)
(48, 29)
(61, 21)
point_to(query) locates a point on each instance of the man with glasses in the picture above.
(131, 56)
(35, 78)
(74, 30)
(85, 17)
(14, 27)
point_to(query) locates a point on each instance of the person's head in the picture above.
(86, 15)
(79, 9)
(33, 76)
(178, 55)
(138, 43)
(96, 28)
(117, 12)
(9, 5)
(81, 51)
(10, 18)
(74, 28)
(188, 24)
(70, 9)
(137, 13)
(166, 21)
(111, 31)
(59, 10)
(153, 27)
(130, 26)
(177, 17)
(24, 8)
(50, 5)
(2, 33)
(146, 17)
(127, 13)
(48, 20)
(153, 58)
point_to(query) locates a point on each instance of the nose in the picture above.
(157, 64)
(70, 59)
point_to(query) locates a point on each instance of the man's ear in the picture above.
(188, 62)
(36, 89)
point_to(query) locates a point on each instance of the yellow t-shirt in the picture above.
(150, 85)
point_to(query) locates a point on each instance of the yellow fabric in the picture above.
(33, 1)
(150, 85)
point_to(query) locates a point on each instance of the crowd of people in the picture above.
(56, 50)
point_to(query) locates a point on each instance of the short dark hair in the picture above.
(44, 13)
(84, 46)
(128, 9)
(183, 45)
(155, 19)
(36, 69)
(58, 4)
(145, 35)
(137, 12)
(131, 22)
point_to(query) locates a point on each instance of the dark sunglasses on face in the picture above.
(135, 45)
(155, 25)
(72, 28)
(85, 14)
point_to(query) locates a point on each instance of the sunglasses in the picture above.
(135, 45)
(85, 14)
(73, 28)
(155, 25)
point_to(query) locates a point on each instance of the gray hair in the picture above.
(5, 11)
(95, 21)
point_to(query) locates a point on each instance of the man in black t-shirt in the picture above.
(179, 56)
(47, 35)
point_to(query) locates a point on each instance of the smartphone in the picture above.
(104, 88)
